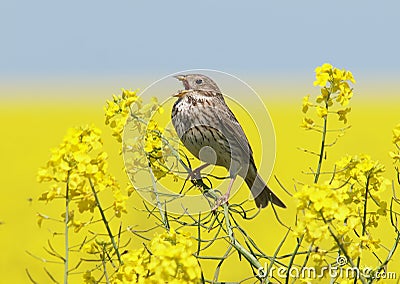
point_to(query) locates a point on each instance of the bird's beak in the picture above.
(180, 77)
(183, 79)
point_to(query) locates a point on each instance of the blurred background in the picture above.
(60, 61)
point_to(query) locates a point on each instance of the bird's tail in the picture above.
(261, 192)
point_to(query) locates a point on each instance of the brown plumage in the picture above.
(211, 132)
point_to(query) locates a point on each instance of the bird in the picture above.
(210, 131)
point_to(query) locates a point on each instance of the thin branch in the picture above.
(30, 277)
(66, 231)
(105, 221)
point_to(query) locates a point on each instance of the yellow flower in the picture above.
(78, 225)
(334, 85)
(323, 206)
(88, 278)
(338, 75)
(321, 79)
(352, 222)
(306, 103)
(370, 243)
(342, 114)
(87, 203)
(322, 74)
(78, 158)
(354, 250)
(348, 76)
(153, 141)
(395, 156)
(308, 123)
(44, 175)
(345, 94)
(130, 189)
(160, 110)
(316, 231)
(324, 68)
(396, 134)
(92, 248)
(338, 84)
(167, 258)
(117, 111)
(40, 218)
(322, 111)
(119, 203)
(324, 95)
(341, 213)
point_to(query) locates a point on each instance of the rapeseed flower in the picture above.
(76, 165)
(166, 259)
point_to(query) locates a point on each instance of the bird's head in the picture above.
(197, 82)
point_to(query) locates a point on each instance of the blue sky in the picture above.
(44, 39)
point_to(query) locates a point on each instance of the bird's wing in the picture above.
(233, 131)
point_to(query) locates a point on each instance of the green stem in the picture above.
(307, 257)
(389, 256)
(364, 228)
(316, 178)
(66, 232)
(104, 264)
(322, 150)
(159, 205)
(342, 248)
(294, 254)
(105, 221)
(364, 224)
(247, 255)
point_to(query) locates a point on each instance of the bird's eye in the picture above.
(199, 81)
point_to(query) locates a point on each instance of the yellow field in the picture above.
(30, 128)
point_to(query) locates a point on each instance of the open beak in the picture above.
(182, 78)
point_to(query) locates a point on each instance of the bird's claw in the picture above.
(221, 201)
(194, 175)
